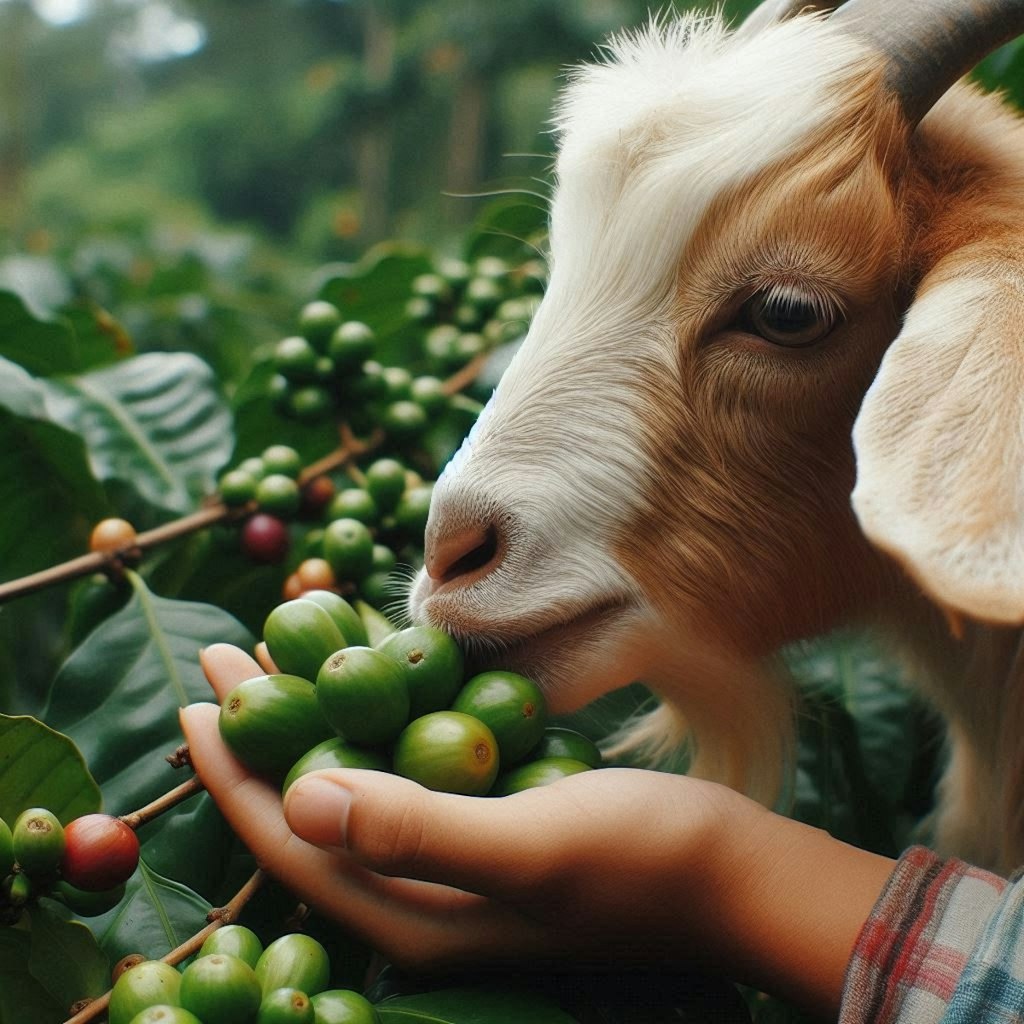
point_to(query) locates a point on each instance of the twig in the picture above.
(217, 918)
(214, 510)
(173, 797)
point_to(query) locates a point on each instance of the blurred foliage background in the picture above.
(187, 164)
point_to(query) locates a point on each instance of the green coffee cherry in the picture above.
(385, 481)
(294, 961)
(348, 547)
(318, 320)
(343, 1006)
(88, 904)
(286, 1006)
(404, 420)
(6, 849)
(220, 989)
(235, 940)
(253, 466)
(421, 309)
(433, 665)
(511, 705)
(384, 559)
(412, 510)
(38, 842)
(237, 487)
(377, 588)
(346, 618)
(399, 382)
(149, 984)
(278, 494)
(351, 345)
(449, 752)
(429, 394)
(334, 753)
(295, 359)
(538, 773)
(309, 404)
(439, 343)
(17, 889)
(164, 1014)
(283, 459)
(560, 742)
(363, 695)
(269, 722)
(354, 503)
(455, 272)
(432, 286)
(301, 636)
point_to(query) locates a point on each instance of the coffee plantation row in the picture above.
(210, 502)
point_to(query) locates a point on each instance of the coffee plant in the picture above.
(153, 508)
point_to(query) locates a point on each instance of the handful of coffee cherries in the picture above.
(401, 705)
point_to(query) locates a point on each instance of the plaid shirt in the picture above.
(944, 945)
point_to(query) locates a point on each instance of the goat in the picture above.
(786, 268)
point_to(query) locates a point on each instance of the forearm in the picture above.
(793, 900)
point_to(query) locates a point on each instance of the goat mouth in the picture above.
(534, 649)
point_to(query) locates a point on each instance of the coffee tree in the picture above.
(153, 508)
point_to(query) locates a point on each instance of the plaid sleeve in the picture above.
(944, 944)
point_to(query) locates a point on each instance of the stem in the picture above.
(214, 510)
(217, 918)
(136, 819)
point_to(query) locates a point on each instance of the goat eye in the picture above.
(787, 319)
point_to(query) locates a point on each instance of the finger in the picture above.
(418, 924)
(502, 848)
(265, 660)
(226, 666)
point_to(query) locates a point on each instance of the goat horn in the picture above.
(930, 44)
(771, 11)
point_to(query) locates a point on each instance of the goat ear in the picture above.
(940, 441)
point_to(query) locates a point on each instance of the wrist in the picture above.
(790, 901)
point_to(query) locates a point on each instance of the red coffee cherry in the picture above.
(100, 852)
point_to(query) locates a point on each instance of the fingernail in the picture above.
(317, 810)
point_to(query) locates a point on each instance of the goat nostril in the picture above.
(463, 554)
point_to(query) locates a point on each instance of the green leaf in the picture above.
(156, 915)
(49, 497)
(376, 290)
(41, 768)
(65, 958)
(512, 229)
(20, 392)
(472, 1006)
(155, 422)
(23, 999)
(100, 338)
(40, 346)
(118, 694)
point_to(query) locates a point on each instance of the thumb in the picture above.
(492, 846)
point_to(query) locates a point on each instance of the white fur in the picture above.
(675, 115)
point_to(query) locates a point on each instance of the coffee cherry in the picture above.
(350, 345)
(83, 903)
(237, 487)
(282, 458)
(404, 420)
(439, 343)
(301, 636)
(343, 1006)
(279, 494)
(412, 511)
(220, 989)
(318, 320)
(449, 752)
(455, 272)
(100, 852)
(286, 1006)
(149, 984)
(399, 382)
(295, 359)
(291, 589)
(421, 309)
(334, 753)
(253, 466)
(265, 539)
(164, 1014)
(363, 695)
(278, 390)
(6, 849)
(385, 480)
(538, 773)
(126, 963)
(315, 574)
(316, 496)
(484, 293)
(348, 546)
(235, 940)
(377, 588)
(432, 663)
(17, 889)
(294, 961)
(429, 394)
(384, 559)
(354, 503)
(309, 404)
(346, 618)
(112, 535)
(432, 286)
(511, 705)
(561, 742)
(38, 841)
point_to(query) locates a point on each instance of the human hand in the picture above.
(616, 865)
